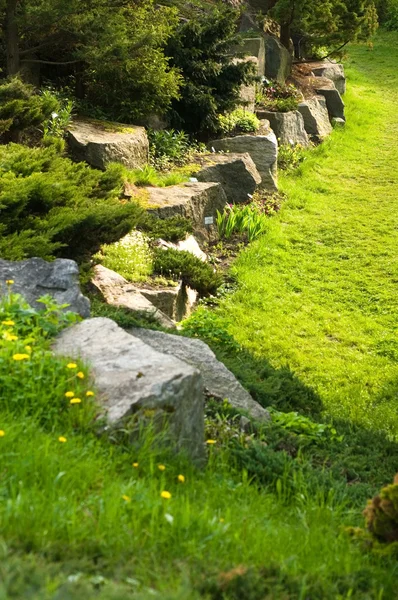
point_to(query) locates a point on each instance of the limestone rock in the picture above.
(288, 127)
(316, 117)
(263, 150)
(278, 60)
(195, 201)
(237, 174)
(99, 144)
(334, 101)
(333, 71)
(218, 380)
(35, 277)
(117, 291)
(132, 378)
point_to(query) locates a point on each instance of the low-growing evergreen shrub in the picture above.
(381, 514)
(53, 207)
(172, 229)
(185, 266)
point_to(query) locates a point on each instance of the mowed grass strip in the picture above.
(319, 292)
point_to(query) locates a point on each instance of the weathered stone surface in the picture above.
(34, 278)
(336, 122)
(132, 377)
(237, 174)
(255, 47)
(117, 291)
(195, 201)
(316, 117)
(248, 92)
(263, 150)
(278, 60)
(288, 127)
(100, 144)
(218, 380)
(334, 101)
(188, 245)
(333, 71)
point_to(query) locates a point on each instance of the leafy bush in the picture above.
(60, 120)
(187, 267)
(131, 257)
(276, 97)
(172, 229)
(51, 206)
(388, 13)
(238, 121)
(241, 219)
(168, 147)
(290, 156)
(22, 107)
(266, 203)
(381, 514)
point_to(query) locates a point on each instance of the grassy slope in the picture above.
(319, 293)
(63, 519)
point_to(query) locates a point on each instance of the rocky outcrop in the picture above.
(263, 150)
(219, 382)
(333, 71)
(195, 201)
(288, 127)
(316, 118)
(100, 143)
(278, 60)
(35, 278)
(136, 382)
(117, 291)
(334, 101)
(255, 46)
(237, 174)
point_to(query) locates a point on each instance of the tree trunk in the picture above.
(285, 35)
(12, 37)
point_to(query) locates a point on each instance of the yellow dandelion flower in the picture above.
(126, 498)
(165, 495)
(75, 401)
(222, 520)
(9, 281)
(69, 394)
(62, 439)
(10, 337)
(8, 323)
(89, 393)
(20, 356)
(161, 467)
(2, 433)
(135, 465)
(28, 348)
(181, 478)
(80, 375)
(71, 366)
(211, 442)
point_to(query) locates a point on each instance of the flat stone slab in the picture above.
(100, 143)
(218, 380)
(237, 174)
(194, 201)
(35, 277)
(133, 378)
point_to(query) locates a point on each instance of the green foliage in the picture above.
(51, 206)
(172, 229)
(381, 514)
(131, 257)
(21, 107)
(122, 316)
(277, 97)
(202, 48)
(266, 203)
(148, 175)
(242, 220)
(238, 121)
(290, 156)
(185, 266)
(388, 13)
(57, 124)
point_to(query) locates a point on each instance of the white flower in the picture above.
(54, 115)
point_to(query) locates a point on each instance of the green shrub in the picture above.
(290, 156)
(241, 219)
(172, 229)
(276, 97)
(185, 266)
(238, 121)
(168, 147)
(57, 124)
(381, 514)
(131, 257)
(51, 206)
(22, 107)
(149, 176)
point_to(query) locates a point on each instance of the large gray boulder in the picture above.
(331, 70)
(237, 174)
(218, 380)
(278, 60)
(263, 150)
(195, 201)
(288, 127)
(117, 291)
(133, 379)
(316, 118)
(255, 46)
(334, 101)
(100, 143)
(34, 278)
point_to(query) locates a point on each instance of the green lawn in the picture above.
(79, 519)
